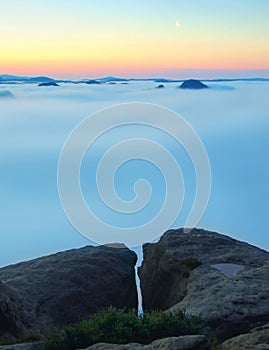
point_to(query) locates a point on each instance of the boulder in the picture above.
(25, 346)
(160, 86)
(187, 342)
(193, 84)
(258, 338)
(63, 288)
(12, 317)
(209, 275)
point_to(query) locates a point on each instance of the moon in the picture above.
(177, 23)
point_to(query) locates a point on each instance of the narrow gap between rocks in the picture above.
(139, 253)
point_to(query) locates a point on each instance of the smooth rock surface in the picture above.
(258, 338)
(65, 287)
(229, 304)
(228, 269)
(188, 342)
(25, 346)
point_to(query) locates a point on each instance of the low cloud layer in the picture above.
(230, 118)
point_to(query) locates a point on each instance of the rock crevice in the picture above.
(230, 302)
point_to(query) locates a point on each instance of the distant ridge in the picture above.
(40, 80)
(15, 79)
(21, 79)
(111, 79)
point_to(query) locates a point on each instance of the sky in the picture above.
(75, 39)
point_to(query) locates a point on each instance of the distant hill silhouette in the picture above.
(92, 82)
(111, 79)
(49, 83)
(15, 79)
(6, 94)
(193, 84)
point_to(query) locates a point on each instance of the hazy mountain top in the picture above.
(14, 79)
(6, 94)
(193, 84)
(111, 78)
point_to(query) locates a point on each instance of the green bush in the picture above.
(6, 339)
(191, 263)
(28, 338)
(55, 341)
(122, 327)
(185, 274)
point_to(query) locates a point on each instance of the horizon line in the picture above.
(153, 77)
(171, 74)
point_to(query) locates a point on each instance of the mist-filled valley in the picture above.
(231, 119)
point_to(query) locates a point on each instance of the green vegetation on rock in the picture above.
(191, 263)
(122, 327)
(28, 338)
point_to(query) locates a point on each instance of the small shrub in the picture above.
(191, 263)
(6, 340)
(28, 338)
(216, 345)
(185, 274)
(122, 327)
(55, 341)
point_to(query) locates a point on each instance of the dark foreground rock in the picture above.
(193, 84)
(11, 313)
(26, 346)
(63, 288)
(212, 276)
(188, 342)
(258, 338)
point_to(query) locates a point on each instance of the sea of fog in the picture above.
(231, 119)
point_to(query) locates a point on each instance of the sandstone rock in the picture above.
(229, 298)
(257, 339)
(11, 314)
(188, 342)
(26, 346)
(65, 287)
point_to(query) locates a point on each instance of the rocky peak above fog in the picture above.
(209, 275)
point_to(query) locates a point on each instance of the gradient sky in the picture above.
(65, 38)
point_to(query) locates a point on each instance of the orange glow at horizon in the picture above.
(143, 58)
(82, 39)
